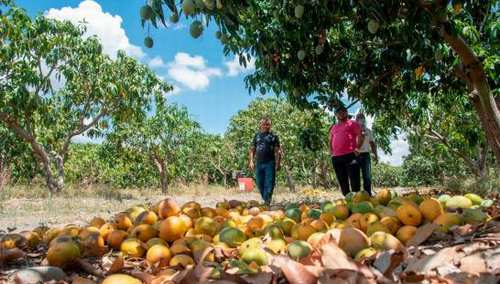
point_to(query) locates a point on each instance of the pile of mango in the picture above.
(168, 235)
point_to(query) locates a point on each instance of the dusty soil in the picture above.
(26, 213)
(21, 213)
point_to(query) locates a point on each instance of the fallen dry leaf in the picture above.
(89, 268)
(197, 274)
(333, 276)
(202, 272)
(461, 277)
(333, 257)
(493, 261)
(232, 278)
(162, 279)
(464, 230)
(422, 234)
(447, 269)
(259, 278)
(178, 277)
(428, 263)
(473, 264)
(223, 282)
(332, 235)
(488, 278)
(294, 272)
(143, 276)
(387, 261)
(116, 266)
(411, 277)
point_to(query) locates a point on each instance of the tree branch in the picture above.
(44, 78)
(483, 23)
(458, 69)
(481, 161)
(14, 126)
(437, 136)
(81, 129)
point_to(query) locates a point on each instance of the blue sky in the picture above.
(204, 83)
(209, 84)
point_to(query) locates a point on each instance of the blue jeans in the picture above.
(265, 174)
(364, 161)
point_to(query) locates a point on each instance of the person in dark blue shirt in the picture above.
(265, 159)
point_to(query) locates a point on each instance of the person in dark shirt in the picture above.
(264, 159)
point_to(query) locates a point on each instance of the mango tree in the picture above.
(161, 137)
(300, 163)
(382, 52)
(56, 85)
(216, 153)
(443, 137)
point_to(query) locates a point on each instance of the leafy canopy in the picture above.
(380, 51)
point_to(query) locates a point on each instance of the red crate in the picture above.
(246, 184)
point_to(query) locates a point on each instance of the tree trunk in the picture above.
(472, 72)
(289, 179)
(162, 170)
(488, 129)
(314, 175)
(163, 181)
(324, 175)
(482, 161)
(222, 173)
(54, 185)
(2, 169)
(4, 172)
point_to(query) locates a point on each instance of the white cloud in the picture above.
(185, 59)
(176, 27)
(156, 62)
(106, 27)
(82, 139)
(234, 68)
(192, 71)
(57, 80)
(400, 149)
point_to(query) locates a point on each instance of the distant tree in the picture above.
(443, 129)
(56, 85)
(162, 138)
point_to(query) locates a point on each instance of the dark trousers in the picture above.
(347, 171)
(265, 175)
(364, 161)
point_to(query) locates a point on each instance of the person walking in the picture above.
(364, 159)
(345, 141)
(265, 159)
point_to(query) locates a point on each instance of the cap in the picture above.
(340, 108)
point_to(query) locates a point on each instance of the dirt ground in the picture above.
(27, 212)
(31, 207)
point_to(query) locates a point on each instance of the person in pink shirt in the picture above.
(345, 141)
